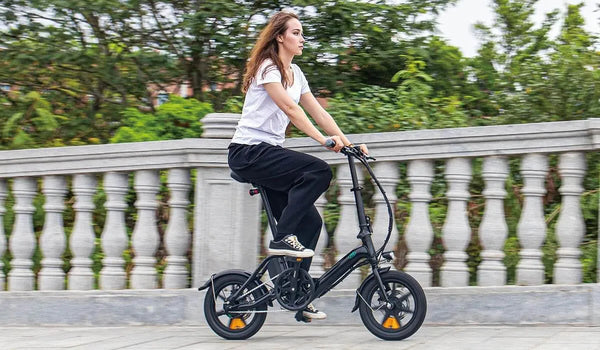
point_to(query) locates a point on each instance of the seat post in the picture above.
(267, 205)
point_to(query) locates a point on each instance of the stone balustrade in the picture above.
(215, 225)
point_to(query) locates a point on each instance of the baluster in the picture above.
(177, 236)
(145, 237)
(22, 239)
(570, 226)
(114, 235)
(387, 174)
(316, 268)
(81, 276)
(531, 229)
(493, 229)
(419, 232)
(53, 240)
(456, 230)
(347, 228)
(3, 195)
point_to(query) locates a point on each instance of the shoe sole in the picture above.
(292, 253)
(313, 316)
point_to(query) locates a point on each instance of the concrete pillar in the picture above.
(570, 227)
(456, 230)
(22, 239)
(177, 236)
(81, 276)
(226, 217)
(53, 239)
(419, 232)
(532, 224)
(114, 234)
(493, 230)
(145, 238)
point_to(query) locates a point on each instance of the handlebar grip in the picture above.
(329, 143)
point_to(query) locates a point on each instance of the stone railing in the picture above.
(226, 221)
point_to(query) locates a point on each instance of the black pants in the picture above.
(293, 182)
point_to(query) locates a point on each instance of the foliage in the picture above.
(85, 55)
(355, 43)
(410, 106)
(29, 123)
(177, 119)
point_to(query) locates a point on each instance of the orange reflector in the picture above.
(236, 323)
(298, 259)
(391, 322)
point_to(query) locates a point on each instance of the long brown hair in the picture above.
(266, 48)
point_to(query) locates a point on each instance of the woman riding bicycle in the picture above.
(293, 180)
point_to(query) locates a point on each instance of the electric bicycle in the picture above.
(392, 304)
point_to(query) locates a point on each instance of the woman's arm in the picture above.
(321, 117)
(297, 115)
(324, 119)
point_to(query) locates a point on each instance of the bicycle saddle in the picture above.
(238, 178)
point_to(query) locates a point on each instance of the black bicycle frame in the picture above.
(365, 254)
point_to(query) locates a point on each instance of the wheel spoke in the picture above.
(407, 310)
(220, 313)
(404, 297)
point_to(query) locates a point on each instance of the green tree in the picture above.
(28, 122)
(351, 44)
(511, 47)
(83, 57)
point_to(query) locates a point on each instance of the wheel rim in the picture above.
(233, 320)
(399, 313)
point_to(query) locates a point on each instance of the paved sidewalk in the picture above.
(310, 336)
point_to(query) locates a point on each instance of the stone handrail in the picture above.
(226, 220)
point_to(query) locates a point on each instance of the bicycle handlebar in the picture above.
(355, 151)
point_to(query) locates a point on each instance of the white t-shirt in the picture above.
(262, 120)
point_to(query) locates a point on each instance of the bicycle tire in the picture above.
(233, 326)
(408, 311)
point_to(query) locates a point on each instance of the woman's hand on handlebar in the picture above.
(334, 143)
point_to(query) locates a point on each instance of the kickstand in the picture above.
(300, 317)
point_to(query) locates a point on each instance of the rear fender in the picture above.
(216, 276)
(238, 272)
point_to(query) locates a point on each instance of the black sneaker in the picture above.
(312, 313)
(290, 246)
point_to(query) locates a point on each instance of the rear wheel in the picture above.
(402, 316)
(233, 324)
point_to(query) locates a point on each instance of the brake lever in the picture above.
(361, 154)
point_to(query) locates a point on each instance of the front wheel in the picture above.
(233, 325)
(399, 318)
